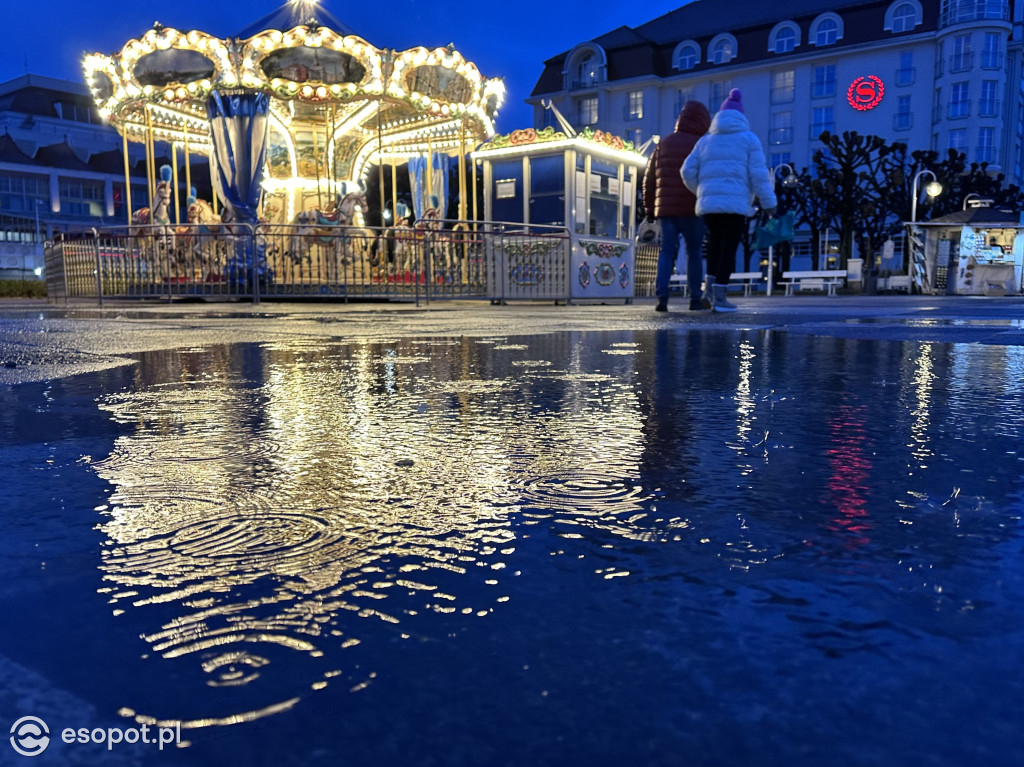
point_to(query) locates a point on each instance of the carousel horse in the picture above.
(206, 234)
(315, 226)
(157, 220)
(430, 231)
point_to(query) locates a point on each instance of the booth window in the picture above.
(604, 199)
(547, 190)
(508, 190)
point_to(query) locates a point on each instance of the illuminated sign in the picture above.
(865, 93)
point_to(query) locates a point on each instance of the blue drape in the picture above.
(437, 188)
(238, 130)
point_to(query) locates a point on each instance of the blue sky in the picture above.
(49, 37)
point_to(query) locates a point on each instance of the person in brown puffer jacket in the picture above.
(667, 199)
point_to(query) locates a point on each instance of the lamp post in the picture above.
(789, 180)
(934, 189)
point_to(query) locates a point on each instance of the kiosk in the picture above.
(978, 251)
(577, 186)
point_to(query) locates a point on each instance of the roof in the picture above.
(60, 156)
(647, 48)
(975, 216)
(704, 17)
(11, 153)
(294, 14)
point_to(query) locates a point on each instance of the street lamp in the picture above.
(934, 189)
(789, 181)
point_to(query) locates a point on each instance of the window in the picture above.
(985, 144)
(991, 53)
(777, 158)
(783, 87)
(635, 105)
(824, 83)
(718, 93)
(20, 193)
(81, 198)
(987, 104)
(586, 111)
(959, 11)
(822, 119)
(547, 190)
(682, 96)
(586, 71)
(958, 140)
(784, 38)
(903, 18)
(781, 131)
(585, 67)
(826, 30)
(636, 135)
(959, 106)
(723, 49)
(905, 74)
(961, 58)
(687, 56)
(904, 118)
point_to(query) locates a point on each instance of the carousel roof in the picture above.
(364, 102)
(296, 14)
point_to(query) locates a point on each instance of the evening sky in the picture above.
(509, 40)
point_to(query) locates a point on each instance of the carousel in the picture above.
(294, 114)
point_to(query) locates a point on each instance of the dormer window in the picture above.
(827, 29)
(902, 17)
(585, 67)
(784, 38)
(722, 49)
(687, 56)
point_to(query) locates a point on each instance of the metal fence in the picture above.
(438, 260)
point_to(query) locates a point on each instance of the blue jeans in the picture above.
(692, 231)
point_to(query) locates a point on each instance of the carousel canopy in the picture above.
(337, 104)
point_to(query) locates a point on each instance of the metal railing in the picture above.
(430, 260)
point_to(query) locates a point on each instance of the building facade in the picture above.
(933, 74)
(61, 169)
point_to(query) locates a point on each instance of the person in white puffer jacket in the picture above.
(727, 170)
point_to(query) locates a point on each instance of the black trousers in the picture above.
(724, 233)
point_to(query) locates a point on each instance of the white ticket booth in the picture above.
(584, 187)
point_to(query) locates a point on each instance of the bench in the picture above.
(895, 282)
(813, 280)
(677, 282)
(745, 280)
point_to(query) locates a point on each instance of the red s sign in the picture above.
(865, 93)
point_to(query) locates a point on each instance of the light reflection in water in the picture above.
(283, 514)
(267, 514)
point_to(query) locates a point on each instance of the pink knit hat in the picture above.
(733, 102)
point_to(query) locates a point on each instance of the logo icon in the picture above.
(30, 736)
(865, 93)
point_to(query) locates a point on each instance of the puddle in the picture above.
(575, 548)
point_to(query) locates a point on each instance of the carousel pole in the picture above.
(476, 216)
(430, 172)
(380, 162)
(150, 161)
(316, 164)
(174, 167)
(127, 172)
(188, 170)
(332, 181)
(394, 191)
(462, 170)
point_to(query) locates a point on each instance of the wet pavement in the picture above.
(459, 534)
(39, 340)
